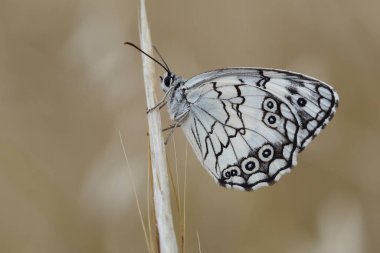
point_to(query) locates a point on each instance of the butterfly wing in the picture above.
(247, 125)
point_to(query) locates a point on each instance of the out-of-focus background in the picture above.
(68, 84)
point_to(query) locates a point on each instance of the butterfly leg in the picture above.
(171, 128)
(174, 126)
(160, 104)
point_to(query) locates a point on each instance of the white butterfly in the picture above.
(247, 125)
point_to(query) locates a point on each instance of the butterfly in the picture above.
(247, 125)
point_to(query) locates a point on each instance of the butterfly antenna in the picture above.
(159, 63)
(155, 48)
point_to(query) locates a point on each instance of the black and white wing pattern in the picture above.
(248, 125)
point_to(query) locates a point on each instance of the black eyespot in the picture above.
(167, 81)
(301, 102)
(232, 171)
(267, 152)
(250, 166)
(272, 119)
(269, 105)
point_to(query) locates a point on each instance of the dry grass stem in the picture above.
(147, 241)
(199, 243)
(161, 189)
(184, 202)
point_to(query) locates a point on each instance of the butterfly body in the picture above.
(247, 125)
(178, 104)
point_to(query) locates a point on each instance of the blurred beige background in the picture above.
(67, 85)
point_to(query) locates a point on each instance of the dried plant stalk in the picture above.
(161, 189)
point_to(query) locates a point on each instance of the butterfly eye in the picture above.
(167, 80)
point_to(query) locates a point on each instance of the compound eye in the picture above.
(167, 80)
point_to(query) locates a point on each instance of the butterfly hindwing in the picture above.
(247, 125)
(244, 141)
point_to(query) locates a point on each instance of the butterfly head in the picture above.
(168, 80)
